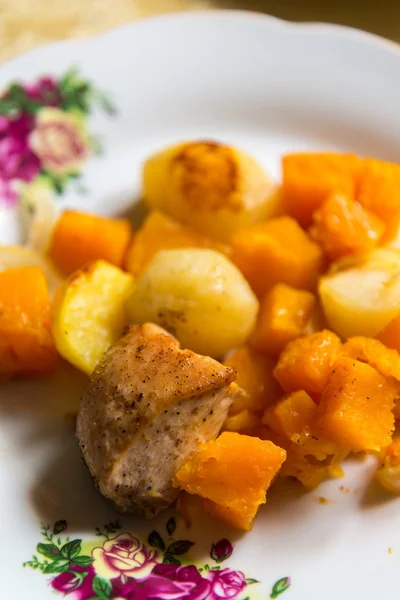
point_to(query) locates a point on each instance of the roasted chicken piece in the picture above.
(149, 404)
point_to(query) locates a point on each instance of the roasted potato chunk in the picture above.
(361, 296)
(199, 296)
(214, 188)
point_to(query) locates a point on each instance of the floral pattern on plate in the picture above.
(43, 134)
(122, 567)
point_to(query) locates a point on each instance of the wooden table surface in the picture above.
(28, 23)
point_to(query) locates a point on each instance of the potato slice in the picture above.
(199, 296)
(88, 313)
(216, 189)
(361, 295)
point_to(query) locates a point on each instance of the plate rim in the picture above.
(269, 21)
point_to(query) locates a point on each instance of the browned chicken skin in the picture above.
(149, 404)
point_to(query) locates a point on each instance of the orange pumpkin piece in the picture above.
(277, 251)
(375, 353)
(342, 227)
(305, 363)
(309, 470)
(308, 178)
(291, 414)
(242, 422)
(316, 322)
(390, 335)
(356, 409)
(255, 377)
(160, 232)
(388, 473)
(234, 471)
(283, 316)
(80, 237)
(379, 192)
(26, 344)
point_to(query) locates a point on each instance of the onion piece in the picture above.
(38, 215)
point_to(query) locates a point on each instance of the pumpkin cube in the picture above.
(291, 414)
(305, 363)
(342, 227)
(80, 238)
(255, 377)
(277, 251)
(379, 192)
(383, 359)
(234, 471)
(283, 316)
(242, 422)
(390, 335)
(308, 178)
(388, 473)
(308, 470)
(160, 232)
(356, 409)
(26, 344)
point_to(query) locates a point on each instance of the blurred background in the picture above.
(28, 23)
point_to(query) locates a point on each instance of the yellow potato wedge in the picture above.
(360, 296)
(88, 313)
(214, 188)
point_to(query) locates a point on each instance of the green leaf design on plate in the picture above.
(171, 560)
(82, 561)
(156, 540)
(280, 586)
(59, 527)
(71, 549)
(171, 525)
(179, 547)
(48, 550)
(102, 587)
(59, 565)
(250, 581)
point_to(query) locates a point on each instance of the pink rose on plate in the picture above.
(17, 161)
(45, 91)
(166, 582)
(59, 141)
(77, 583)
(123, 555)
(226, 584)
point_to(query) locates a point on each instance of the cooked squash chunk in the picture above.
(284, 315)
(305, 363)
(244, 421)
(277, 251)
(356, 409)
(379, 191)
(255, 377)
(308, 178)
(343, 227)
(235, 471)
(373, 352)
(81, 237)
(390, 335)
(291, 414)
(26, 344)
(388, 473)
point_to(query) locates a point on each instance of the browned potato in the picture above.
(214, 188)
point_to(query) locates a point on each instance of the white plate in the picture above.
(269, 87)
